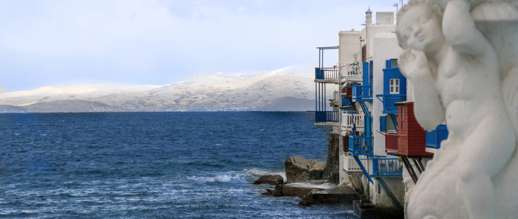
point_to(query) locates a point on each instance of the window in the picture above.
(394, 86)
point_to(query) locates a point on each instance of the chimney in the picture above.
(368, 17)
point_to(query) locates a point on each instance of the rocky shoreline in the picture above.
(306, 179)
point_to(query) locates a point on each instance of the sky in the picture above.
(64, 42)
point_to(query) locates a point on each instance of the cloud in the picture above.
(87, 28)
(160, 41)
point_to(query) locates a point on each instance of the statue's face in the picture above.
(420, 29)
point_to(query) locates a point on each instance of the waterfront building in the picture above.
(351, 113)
(366, 104)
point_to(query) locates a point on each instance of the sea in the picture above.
(153, 165)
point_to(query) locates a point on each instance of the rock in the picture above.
(270, 180)
(277, 191)
(299, 169)
(295, 191)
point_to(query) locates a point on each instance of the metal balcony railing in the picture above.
(386, 167)
(327, 74)
(358, 145)
(326, 116)
(361, 92)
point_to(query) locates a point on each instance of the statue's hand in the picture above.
(413, 64)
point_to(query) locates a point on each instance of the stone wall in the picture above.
(333, 156)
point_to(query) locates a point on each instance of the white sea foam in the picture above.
(312, 185)
(233, 176)
(255, 172)
(222, 177)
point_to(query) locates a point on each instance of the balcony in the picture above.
(327, 75)
(361, 92)
(359, 145)
(410, 135)
(351, 73)
(435, 137)
(326, 117)
(386, 167)
(352, 122)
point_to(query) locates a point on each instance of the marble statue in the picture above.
(460, 57)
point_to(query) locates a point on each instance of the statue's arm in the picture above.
(428, 107)
(460, 30)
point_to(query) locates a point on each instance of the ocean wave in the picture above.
(312, 185)
(236, 176)
(221, 178)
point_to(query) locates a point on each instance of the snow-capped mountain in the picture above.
(285, 89)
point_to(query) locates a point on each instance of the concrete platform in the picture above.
(317, 192)
(338, 194)
(302, 189)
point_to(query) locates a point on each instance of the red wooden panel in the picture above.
(411, 136)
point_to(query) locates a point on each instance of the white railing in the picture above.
(387, 166)
(351, 72)
(350, 164)
(351, 121)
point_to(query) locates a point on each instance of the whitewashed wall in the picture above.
(385, 47)
(350, 47)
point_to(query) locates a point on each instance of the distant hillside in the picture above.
(69, 106)
(280, 90)
(289, 104)
(11, 109)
